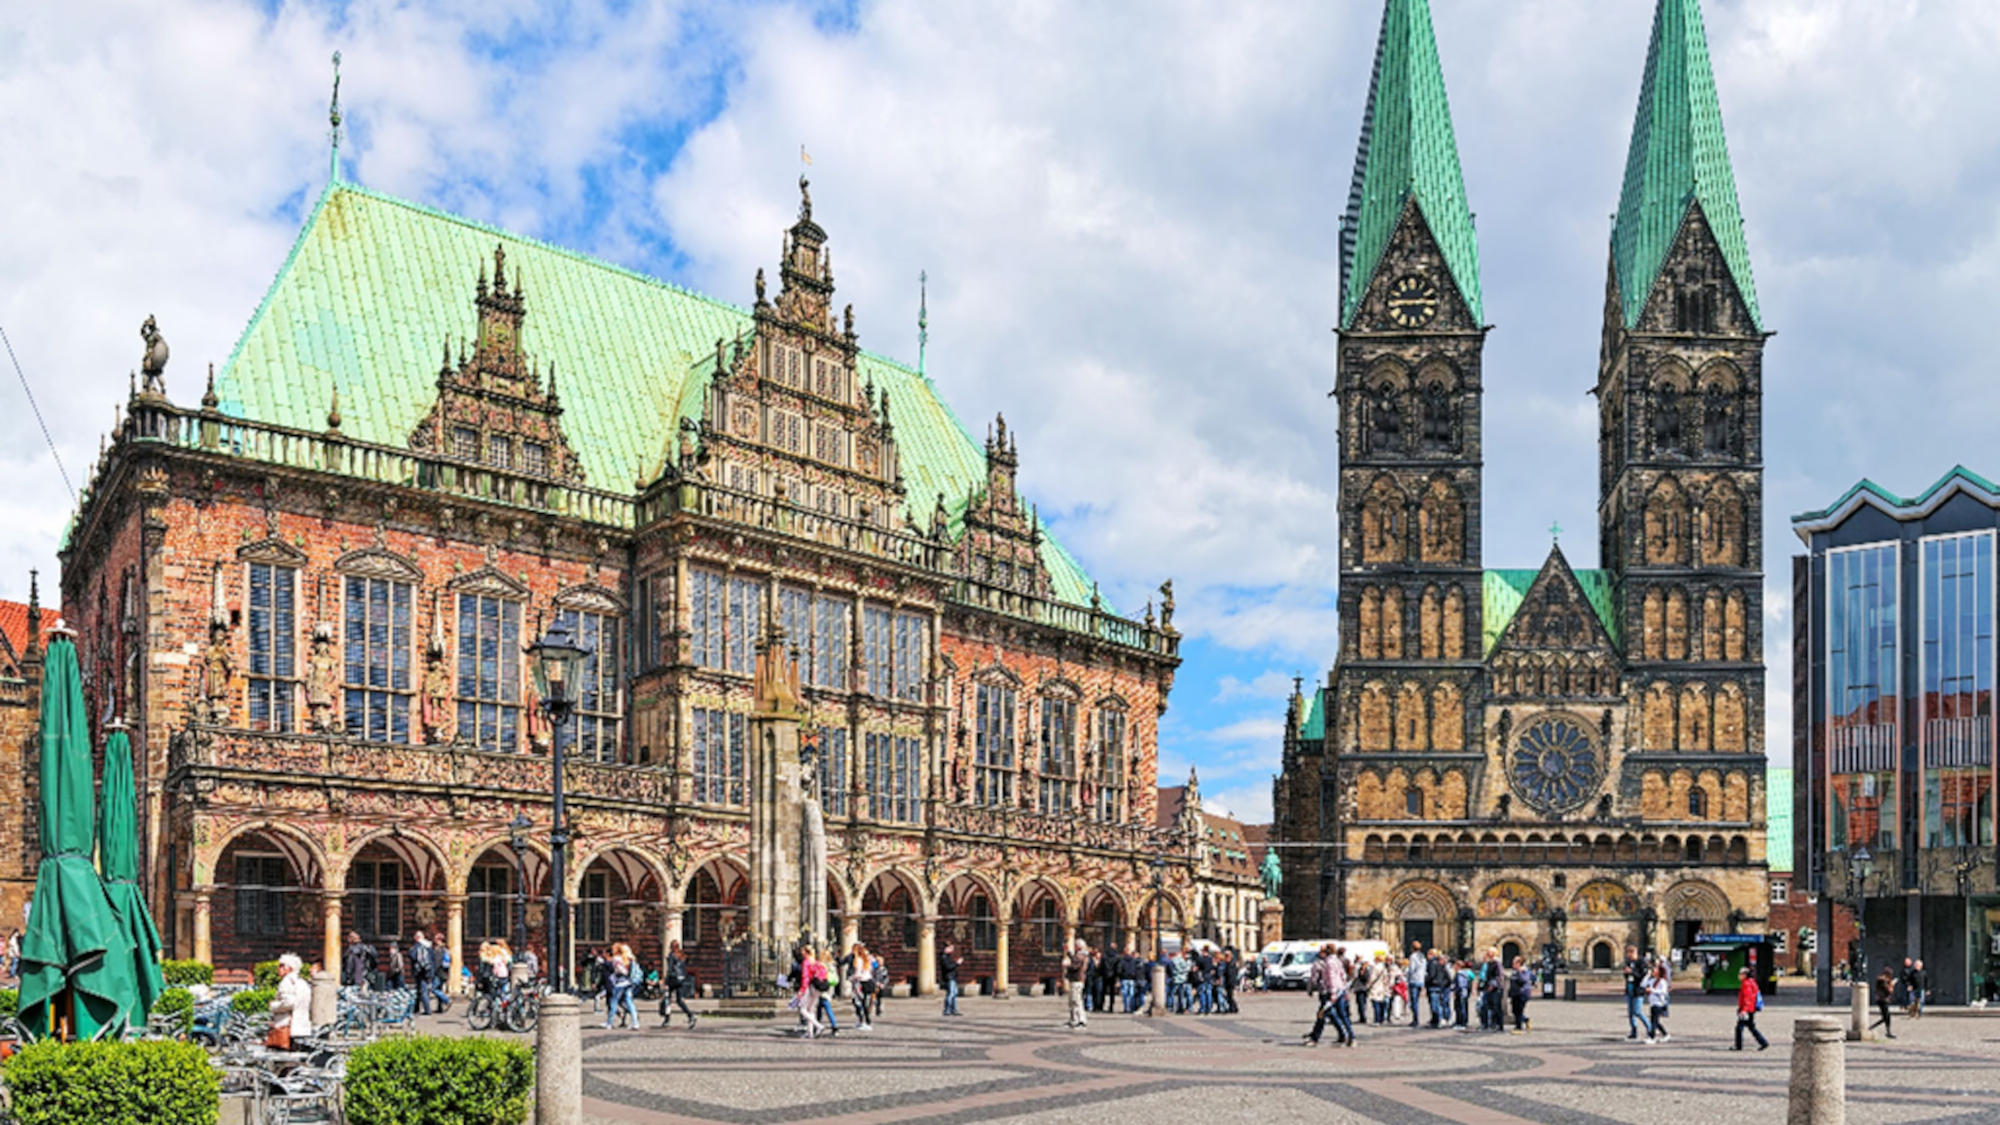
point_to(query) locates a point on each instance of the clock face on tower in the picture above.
(1413, 301)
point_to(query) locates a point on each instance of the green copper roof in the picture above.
(1314, 728)
(1407, 149)
(1778, 820)
(1958, 479)
(1504, 589)
(376, 285)
(1678, 157)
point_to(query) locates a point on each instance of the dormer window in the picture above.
(534, 458)
(500, 452)
(465, 443)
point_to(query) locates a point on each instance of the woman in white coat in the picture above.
(291, 1010)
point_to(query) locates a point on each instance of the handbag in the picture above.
(279, 1038)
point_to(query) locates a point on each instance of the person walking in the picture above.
(1881, 993)
(677, 981)
(441, 982)
(807, 976)
(948, 969)
(1635, 991)
(394, 971)
(621, 978)
(1749, 1001)
(357, 964)
(1920, 987)
(1519, 981)
(1076, 967)
(858, 968)
(1328, 982)
(422, 962)
(1492, 986)
(1414, 977)
(1659, 986)
(1129, 968)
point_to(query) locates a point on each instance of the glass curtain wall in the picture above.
(1861, 696)
(1956, 664)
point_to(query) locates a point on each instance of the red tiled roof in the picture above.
(1255, 836)
(14, 625)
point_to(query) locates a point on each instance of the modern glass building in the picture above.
(1893, 735)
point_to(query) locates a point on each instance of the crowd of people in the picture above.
(424, 967)
(817, 977)
(1198, 981)
(1449, 991)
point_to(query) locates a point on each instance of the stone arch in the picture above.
(1666, 524)
(1430, 624)
(1695, 899)
(1603, 955)
(1041, 915)
(968, 908)
(1384, 522)
(1453, 799)
(1722, 525)
(536, 850)
(1696, 730)
(1372, 848)
(1734, 627)
(1392, 623)
(1160, 912)
(715, 909)
(1395, 794)
(1739, 850)
(1441, 522)
(635, 865)
(1677, 624)
(1368, 796)
(893, 903)
(1512, 898)
(1656, 726)
(1626, 850)
(1731, 722)
(1421, 900)
(619, 895)
(1412, 721)
(307, 859)
(492, 882)
(1386, 388)
(1371, 623)
(1372, 730)
(1653, 631)
(265, 884)
(393, 881)
(1454, 624)
(1104, 918)
(1447, 718)
(1736, 797)
(1711, 624)
(1670, 385)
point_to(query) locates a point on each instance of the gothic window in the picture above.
(723, 615)
(1382, 523)
(1058, 790)
(1697, 804)
(1413, 803)
(1430, 624)
(592, 731)
(993, 745)
(273, 630)
(1442, 517)
(1385, 419)
(1718, 428)
(1412, 724)
(1711, 625)
(718, 756)
(912, 649)
(1373, 721)
(1371, 624)
(1437, 436)
(1677, 624)
(1695, 734)
(1392, 623)
(376, 664)
(1454, 624)
(1447, 718)
(1657, 724)
(1730, 720)
(1669, 402)
(1110, 779)
(1653, 637)
(828, 667)
(1733, 626)
(889, 766)
(1722, 526)
(489, 667)
(1666, 524)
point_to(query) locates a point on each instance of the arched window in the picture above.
(1437, 417)
(1698, 804)
(1385, 419)
(1718, 422)
(1441, 523)
(1382, 523)
(1413, 802)
(1666, 524)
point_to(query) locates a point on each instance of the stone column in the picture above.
(1156, 1003)
(850, 930)
(203, 951)
(670, 929)
(1001, 948)
(325, 998)
(1819, 1073)
(1857, 998)
(559, 1062)
(454, 939)
(329, 909)
(927, 957)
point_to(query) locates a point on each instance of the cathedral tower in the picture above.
(1679, 393)
(1408, 383)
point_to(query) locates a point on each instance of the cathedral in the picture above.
(307, 583)
(1553, 759)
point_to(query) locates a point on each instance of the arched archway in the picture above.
(1602, 955)
(1694, 907)
(891, 908)
(501, 905)
(1038, 923)
(1160, 918)
(394, 884)
(715, 911)
(620, 897)
(1422, 912)
(1101, 922)
(968, 917)
(267, 899)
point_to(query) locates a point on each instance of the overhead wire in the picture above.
(36, 407)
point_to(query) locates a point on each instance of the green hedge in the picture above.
(177, 1003)
(10, 1003)
(435, 1080)
(187, 972)
(264, 974)
(142, 1083)
(254, 1000)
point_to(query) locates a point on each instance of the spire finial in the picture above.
(923, 316)
(1555, 531)
(208, 399)
(333, 410)
(333, 119)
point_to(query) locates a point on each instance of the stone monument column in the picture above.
(779, 784)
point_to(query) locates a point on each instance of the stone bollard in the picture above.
(559, 1062)
(1819, 1072)
(1157, 1004)
(325, 1006)
(1857, 1027)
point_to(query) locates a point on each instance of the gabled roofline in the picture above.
(1866, 493)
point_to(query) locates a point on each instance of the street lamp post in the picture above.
(517, 839)
(557, 663)
(1158, 974)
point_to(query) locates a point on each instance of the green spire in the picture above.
(1407, 149)
(1678, 156)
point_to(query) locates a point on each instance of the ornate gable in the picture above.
(1001, 542)
(491, 410)
(1555, 615)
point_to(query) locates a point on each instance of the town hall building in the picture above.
(1551, 758)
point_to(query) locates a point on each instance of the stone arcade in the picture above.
(1526, 758)
(309, 596)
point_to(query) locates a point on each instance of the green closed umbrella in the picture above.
(75, 964)
(118, 859)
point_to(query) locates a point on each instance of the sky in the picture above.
(1128, 215)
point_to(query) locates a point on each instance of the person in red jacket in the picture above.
(1748, 999)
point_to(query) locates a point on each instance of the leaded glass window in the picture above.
(718, 748)
(993, 745)
(1058, 788)
(489, 672)
(273, 659)
(592, 732)
(376, 664)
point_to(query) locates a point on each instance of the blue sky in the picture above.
(1129, 226)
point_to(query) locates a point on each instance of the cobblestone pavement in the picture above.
(1013, 1061)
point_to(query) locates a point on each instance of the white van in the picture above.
(1288, 964)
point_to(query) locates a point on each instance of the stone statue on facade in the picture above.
(323, 683)
(218, 669)
(961, 771)
(1272, 873)
(812, 850)
(153, 365)
(434, 709)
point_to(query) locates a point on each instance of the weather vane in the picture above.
(333, 119)
(923, 316)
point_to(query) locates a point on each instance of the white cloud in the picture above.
(1268, 685)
